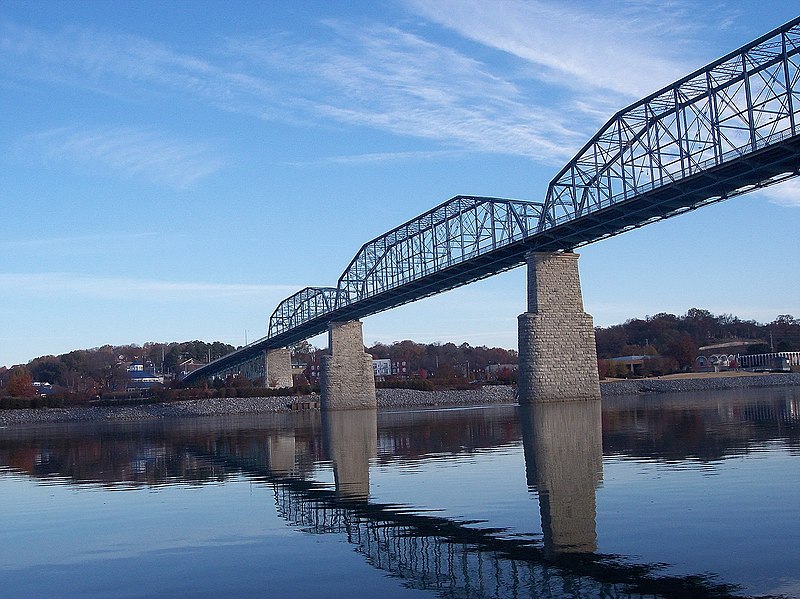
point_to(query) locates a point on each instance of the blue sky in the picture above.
(173, 170)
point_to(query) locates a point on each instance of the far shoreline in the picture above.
(386, 399)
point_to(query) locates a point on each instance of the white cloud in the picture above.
(568, 66)
(383, 157)
(130, 152)
(393, 80)
(58, 284)
(379, 77)
(786, 193)
(626, 48)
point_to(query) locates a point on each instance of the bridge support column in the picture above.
(278, 368)
(557, 352)
(347, 378)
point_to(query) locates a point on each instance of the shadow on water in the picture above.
(563, 449)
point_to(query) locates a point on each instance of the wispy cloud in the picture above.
(129, 152)
(383, 157)
(373, 76)
(786, 193)
(568, 66)
(394, 80)
(626, 48)
(56, 284)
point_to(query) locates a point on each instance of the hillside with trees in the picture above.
(90, 372)
(672, 343)
(676, 341)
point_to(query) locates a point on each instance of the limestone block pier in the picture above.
(278, 368)
(557, 353)
(347, 378)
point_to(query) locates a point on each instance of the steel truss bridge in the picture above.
(725, 129)
(455, 559)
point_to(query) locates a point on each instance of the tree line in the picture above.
(90, 372)
(673, 341)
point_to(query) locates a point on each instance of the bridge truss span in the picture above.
(738, 105)
(304, 306)
(454, 232)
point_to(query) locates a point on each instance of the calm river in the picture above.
(670, 496)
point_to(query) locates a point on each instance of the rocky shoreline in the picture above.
(387, 399)
(636, 386)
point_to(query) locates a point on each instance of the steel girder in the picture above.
(737, 105)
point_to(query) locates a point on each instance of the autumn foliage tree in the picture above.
(20, 383)
(677, 339)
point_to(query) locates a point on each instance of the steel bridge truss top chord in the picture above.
(737, 105)
(453, 233)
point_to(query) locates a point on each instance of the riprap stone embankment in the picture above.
(634, 386)
(387, 399)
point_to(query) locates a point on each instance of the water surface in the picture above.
(667, 495)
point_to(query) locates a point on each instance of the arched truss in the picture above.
(304, 306)
(735, 106)
(452, 233)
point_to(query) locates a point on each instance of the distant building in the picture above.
(142, 377)
(400, 368)
(382, 367)
(386, 367)
(776, 361)
(42, 389)
(632, 362)
(715, 362)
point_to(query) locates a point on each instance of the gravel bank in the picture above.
(387, 398)
(407, 398)
(699, 384)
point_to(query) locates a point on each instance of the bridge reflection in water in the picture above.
(563, 444)
(563, 457)
(455, 558)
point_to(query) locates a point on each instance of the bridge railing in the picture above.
(736, 105)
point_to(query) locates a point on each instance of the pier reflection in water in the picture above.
(351, 442)
(564, 464)
(451, 552)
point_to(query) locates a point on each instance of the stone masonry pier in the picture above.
(557, 353)
(347, 378)
(278, 368)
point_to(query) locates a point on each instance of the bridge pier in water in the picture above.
(278, 368)
(273, 365)
(557, 352)
(347, 378)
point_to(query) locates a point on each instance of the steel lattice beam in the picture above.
(737, 105)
